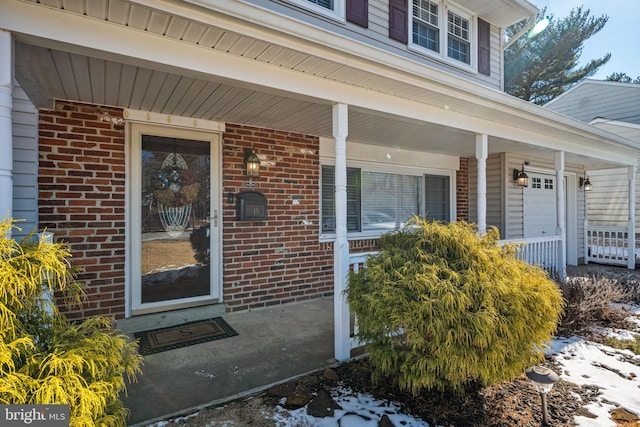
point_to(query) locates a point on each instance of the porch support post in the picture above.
(631, 240)
(6, 132)
(560, 215)
(342, 340)
(482, 149)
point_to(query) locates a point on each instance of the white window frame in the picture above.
(391, 169)
(443, 20)
(338, 12)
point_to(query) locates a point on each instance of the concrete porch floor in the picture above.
(272, 345)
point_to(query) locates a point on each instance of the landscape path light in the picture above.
(543, 380)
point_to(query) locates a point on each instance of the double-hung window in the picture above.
(458, 38)
(330, 8)
(435, 23)
(426, 24)
(378, 202)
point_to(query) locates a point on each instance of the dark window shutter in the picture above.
(484, 47)
(398, 20)
(358, 12)
(327, 209)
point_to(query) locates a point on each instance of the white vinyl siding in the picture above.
(495, 201)
(608, 200)
(377, 34)
(591, 99)
(25, 162)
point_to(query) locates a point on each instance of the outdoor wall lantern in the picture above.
(585, 183)
(543, 380)
(521, 178)
(252, 163)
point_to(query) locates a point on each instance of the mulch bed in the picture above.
(513, 403)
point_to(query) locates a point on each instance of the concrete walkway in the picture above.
(272, 345)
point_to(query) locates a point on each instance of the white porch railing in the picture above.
(356, 263)
(540, 251)
(608, 245)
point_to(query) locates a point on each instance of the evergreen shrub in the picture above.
(44, 358)
(443, 308)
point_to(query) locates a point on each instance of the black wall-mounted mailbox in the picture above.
(251, 206)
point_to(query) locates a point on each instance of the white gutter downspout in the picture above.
(482, 148)
(560, 215)
(586, 227)
(341, 321)
(631, 233)
(6, 128)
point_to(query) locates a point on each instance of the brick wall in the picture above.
(265, 263)
(81, 193)
(462, 190)
(279, 260)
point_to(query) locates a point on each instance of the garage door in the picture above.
(540, 206)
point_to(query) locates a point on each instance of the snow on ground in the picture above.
(615, 372)
(358, 410)
(586, 363)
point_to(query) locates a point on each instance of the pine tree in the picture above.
(622, 78)
(540, 67)
(45, 359)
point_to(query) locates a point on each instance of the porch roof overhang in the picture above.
(182, 59)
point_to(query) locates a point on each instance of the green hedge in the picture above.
(442, 307)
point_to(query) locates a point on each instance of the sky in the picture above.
(619, 36)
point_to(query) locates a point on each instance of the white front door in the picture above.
(540, 205)
(175, 224)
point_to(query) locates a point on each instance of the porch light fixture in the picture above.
(585, 183)
(543, 380)
(521, 178)
(252, 163)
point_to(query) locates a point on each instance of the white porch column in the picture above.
(6, 133)
(561, 214)
(482, 149)
(631, 262)
(341, 320)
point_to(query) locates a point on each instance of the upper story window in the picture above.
(458, 38)
(426, 26)
(434, 24)
(330, 8)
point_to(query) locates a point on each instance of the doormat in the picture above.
(163, 339)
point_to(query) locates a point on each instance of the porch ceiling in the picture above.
(388, 106)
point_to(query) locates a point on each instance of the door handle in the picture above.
(215, 217)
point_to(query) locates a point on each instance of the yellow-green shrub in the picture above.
(442, 307)
(44, 359)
